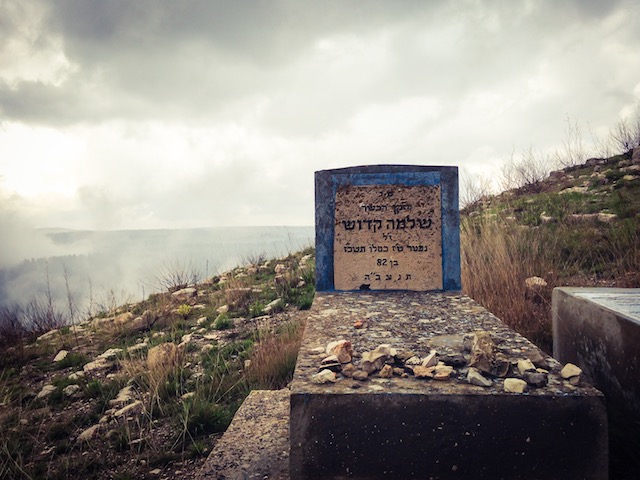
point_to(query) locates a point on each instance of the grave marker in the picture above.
(387, 227)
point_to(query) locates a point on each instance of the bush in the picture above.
(202, 416)
(222, 322)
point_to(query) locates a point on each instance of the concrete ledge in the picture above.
(405, 427)
(603, 340)
(256, 444)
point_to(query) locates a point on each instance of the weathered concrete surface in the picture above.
(601, 339)
(256, 444)
(599, 330)
(405, 427)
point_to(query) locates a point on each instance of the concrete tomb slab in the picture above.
(392, 424)
(598, 329)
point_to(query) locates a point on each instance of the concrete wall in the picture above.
(598, 330)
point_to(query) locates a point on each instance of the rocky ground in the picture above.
(144, 392)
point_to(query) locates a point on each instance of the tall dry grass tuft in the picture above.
(497, 258)
(274, 357)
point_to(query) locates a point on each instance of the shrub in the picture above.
(202, 416)
(222, 322)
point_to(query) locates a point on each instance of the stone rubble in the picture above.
(477, 364)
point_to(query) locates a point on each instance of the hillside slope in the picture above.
(143, 391)
(578, 227)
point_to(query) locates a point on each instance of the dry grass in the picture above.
(274, 357)
(497, 258)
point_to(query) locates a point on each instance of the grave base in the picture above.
(414, 428)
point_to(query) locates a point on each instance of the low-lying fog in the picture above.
(98, 269)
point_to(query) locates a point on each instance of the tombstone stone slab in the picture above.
(407, 427)
(387, 227)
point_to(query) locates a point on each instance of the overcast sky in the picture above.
(178, 113)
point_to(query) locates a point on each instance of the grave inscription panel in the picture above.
(388, 237)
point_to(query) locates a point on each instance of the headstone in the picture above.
(388, 281)
(387, 227)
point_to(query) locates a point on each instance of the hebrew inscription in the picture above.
(388, 237)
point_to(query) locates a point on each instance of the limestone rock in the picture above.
(525, 365)
(184, 294)
(413, 361)
(111, 354)
(125, 395)
(386, 372)
(46, 391)
(360, 375)
(430, 360)
(269, 307)
(537, 359)
(89, 433)
(546, 218)
(76, 376)
(50, 335)
(483, 352)
(71, 390)
(375, 360)
(97, 365)
(123, 318)
(342, 349)
(442, 372)
(165, 354)
(348, 370)
(607, 217)
(474, 377)
(61, 355)
(570, 370)
(424, 372)
(280, 268)
(324, 376)
(222, 309)
(514, 385)
(535, 283)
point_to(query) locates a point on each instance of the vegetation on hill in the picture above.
(579, 226)
(144, 390)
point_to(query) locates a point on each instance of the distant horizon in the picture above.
(66, 229)
(129, 262)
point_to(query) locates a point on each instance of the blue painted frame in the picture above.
(327, 183)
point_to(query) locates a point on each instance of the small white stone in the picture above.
(46, 391)
(89, 433)
(70, 390)
(525, 365)
(474, 377)
(76, 375)
(570, 370)
(324, 376)
(514, 385)
(62, 354)
(430, 360)
(111, 354)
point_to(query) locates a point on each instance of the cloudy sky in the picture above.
(181, 113)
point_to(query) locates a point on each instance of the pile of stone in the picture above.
(480, 363)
